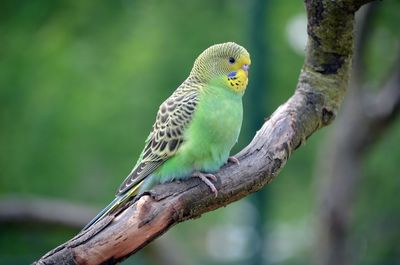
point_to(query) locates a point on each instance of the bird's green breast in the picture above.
(210, 136)
(217, 121)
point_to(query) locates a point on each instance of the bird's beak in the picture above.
(246, 67)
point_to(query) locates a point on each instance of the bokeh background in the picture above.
(81, 81)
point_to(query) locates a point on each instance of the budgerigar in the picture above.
(195, 128)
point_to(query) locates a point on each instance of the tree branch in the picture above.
(321, 87)
(383, 108)
(44, 211)
(18, 209)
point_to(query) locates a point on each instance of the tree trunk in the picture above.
(339, 172)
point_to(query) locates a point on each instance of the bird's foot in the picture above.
(234, 160)
(206, 177)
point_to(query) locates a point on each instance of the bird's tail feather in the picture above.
(119, 200)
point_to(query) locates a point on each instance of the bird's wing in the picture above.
(167, 135)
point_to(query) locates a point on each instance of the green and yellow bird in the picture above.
(195, 128)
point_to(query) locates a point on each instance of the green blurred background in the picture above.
(81, 81)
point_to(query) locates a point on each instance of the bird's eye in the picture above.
(232, 60)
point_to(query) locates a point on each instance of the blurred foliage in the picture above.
(81, 81)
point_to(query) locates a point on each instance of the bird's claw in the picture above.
(206, 177)
(211, 176)
(234, 160)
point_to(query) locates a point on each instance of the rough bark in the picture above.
(364, 118)
(320, 90)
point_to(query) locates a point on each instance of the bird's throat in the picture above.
(238, 82)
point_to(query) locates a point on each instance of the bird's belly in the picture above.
(213, 134)
(208, 139)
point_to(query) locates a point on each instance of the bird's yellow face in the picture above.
(225, 64)
(237, 78)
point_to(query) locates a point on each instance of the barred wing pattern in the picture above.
(167, 135)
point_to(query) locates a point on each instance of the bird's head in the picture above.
(224, 64)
